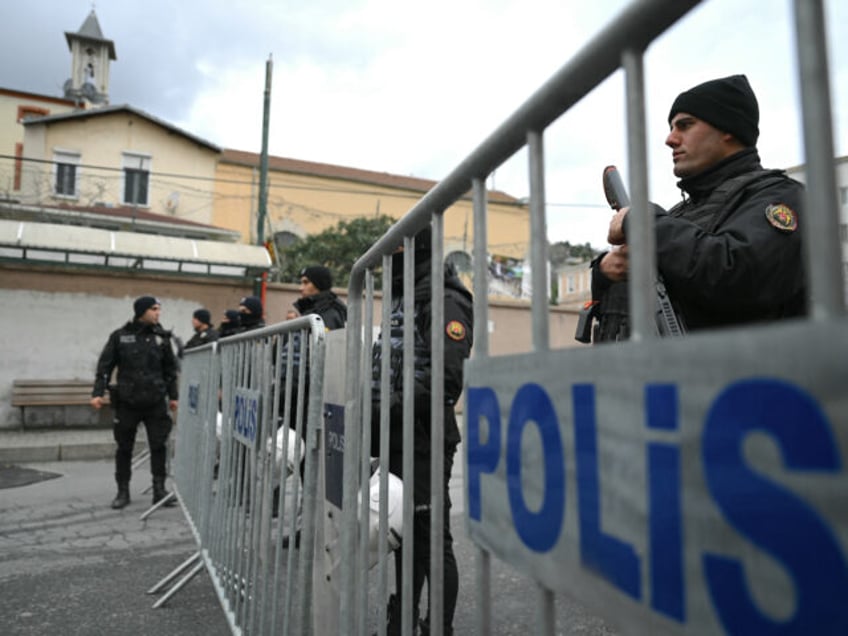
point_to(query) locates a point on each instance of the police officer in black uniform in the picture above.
(458, 338)
(316, 297)
(146, 386)
(730, 252)
(204, 332)
(251, 313)
(230, 323)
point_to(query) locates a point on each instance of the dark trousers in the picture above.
(421, 529)
(158, 424)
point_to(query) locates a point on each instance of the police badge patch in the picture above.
(455, 330)
(782, 217)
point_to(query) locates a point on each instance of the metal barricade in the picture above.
(246, 471)
(694, 486)
(686, 486)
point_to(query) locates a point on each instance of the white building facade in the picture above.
(841, 165)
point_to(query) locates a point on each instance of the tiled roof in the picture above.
(25, 95)
(357, 175)
(102, 111)
(128, 212)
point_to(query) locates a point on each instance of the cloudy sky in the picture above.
(413, 88)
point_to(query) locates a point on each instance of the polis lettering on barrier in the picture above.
(246, 418)
(807, 549)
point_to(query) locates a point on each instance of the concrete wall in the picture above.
(56, 321)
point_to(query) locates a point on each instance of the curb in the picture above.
(21, 447)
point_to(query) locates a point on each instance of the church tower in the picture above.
(91, 54)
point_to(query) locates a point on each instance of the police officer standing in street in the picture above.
(457, 335)
(230, 323)
(730, 252)
(146, 387)
(204, 332)
(251, 313)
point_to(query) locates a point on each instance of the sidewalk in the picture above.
(51, 445)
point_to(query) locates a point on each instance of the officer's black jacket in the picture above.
(735, 266)
(327, 305)
(200, 338)
(147, 366)
(727, 264)
(458, 338)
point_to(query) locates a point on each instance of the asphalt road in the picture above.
(70, 565)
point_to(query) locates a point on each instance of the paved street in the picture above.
(69, 565)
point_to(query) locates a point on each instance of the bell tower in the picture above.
(91, 54)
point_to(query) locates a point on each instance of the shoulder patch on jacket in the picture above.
(782, 217)
(455, 330)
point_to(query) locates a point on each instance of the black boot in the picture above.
(122, 499)
(424, 628)
(394, 618)
(159, 492)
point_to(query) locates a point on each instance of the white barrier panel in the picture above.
(245, 401)
(693, 486)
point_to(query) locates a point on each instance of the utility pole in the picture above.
(263, 168)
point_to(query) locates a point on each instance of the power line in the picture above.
(280, 182)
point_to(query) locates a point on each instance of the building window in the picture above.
(843, 195)
(66, 173)
(843, 232)
(284, 239)
(136, 179)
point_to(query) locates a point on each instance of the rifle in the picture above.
(667, 321)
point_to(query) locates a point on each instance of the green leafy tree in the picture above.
(560, 252)
(337, 248)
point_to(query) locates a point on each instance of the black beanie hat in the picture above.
(253, 304)
(203, 316)
(728, 104)
(320, 276)
(143, 303)
(232, 316)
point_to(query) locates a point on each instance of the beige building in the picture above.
(306, 197)
(15, 108)
(83, 154)
(840, 165)
(574, 285)
(116, 156)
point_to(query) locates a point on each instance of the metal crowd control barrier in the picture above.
(693, 486)
(686, 486)
(239, 478)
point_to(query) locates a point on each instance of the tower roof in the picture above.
(90, 30)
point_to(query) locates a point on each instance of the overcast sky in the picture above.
(413, 88)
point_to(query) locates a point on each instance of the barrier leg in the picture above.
(171, 495)
(174, 573)
(178, 585)
(143, 457)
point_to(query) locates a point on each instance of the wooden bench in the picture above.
(56, 402)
